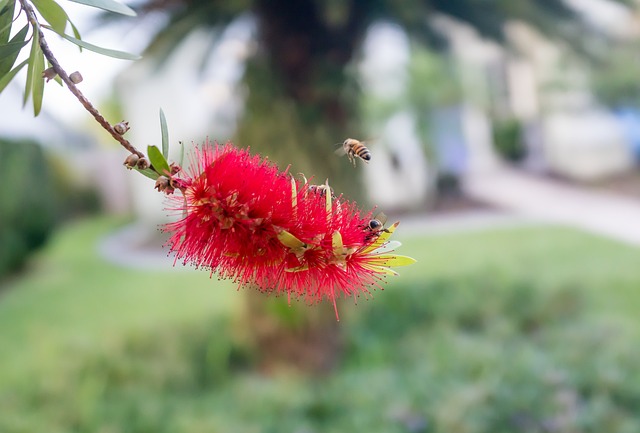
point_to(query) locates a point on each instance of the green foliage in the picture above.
(159, 163)
(37, 198)
(6, 79)
(6, 19)
(9, 52)
(108, 5)
(501, 331)
(615, 77)
(53, 14)
(164, 130)
(57, 19)
(29, 208)
(508, 140)
(100, 50)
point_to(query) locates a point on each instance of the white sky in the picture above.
(97, 70)
(606, 15)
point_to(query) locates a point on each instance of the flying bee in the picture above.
(354, 149)
(376, 226)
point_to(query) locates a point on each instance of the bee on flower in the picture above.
(247, 221)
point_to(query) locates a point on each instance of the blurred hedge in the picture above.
(37, 194)
(507, 140)
(476, 354)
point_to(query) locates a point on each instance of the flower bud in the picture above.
(49, 74)
(163, 184)
(75, 77)
(131, 161)
(122, 127)
(143, 163)
(175, 168)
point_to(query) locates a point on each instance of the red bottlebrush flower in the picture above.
(247, 221)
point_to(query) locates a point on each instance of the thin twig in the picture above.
(33, 19)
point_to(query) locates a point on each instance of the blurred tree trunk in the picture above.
(305, 338)
(301, 103)
(301, 98)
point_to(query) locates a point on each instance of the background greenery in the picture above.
(39, 195)
(530, 329)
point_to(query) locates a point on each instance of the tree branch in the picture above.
(33, 19)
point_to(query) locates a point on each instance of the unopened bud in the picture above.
(131, 161)
(163, 184)
(122, 127)
(175, 168)
(49, 74)
(143, 163)
(75, 77)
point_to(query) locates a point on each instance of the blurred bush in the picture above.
(37, 194)
(507, 140)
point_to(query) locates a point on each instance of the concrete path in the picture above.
(607, 214)
(460, 221)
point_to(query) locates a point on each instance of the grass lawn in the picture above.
(526, 329)
(70, 295)
(606, 271)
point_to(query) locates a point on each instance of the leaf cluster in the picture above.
(43, 15)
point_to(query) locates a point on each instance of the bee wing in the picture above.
(341, 151)
(380, 216)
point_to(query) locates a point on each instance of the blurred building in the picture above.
(538, 84)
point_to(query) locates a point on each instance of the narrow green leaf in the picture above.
(9, 56)
(7, 8)
(76, 32)
(38, 82)
(5, 31)
(35, 47)
(11, 48)
(105, 51)
(3, 3)
(165, 134)
(148, 172)
(158, 161)
(181, 160)
(53, 14)
(108, 5)
(6, 79)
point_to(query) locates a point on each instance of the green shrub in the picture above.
(477, 354)
(37, 195)
(507, 140)
(28, 206)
